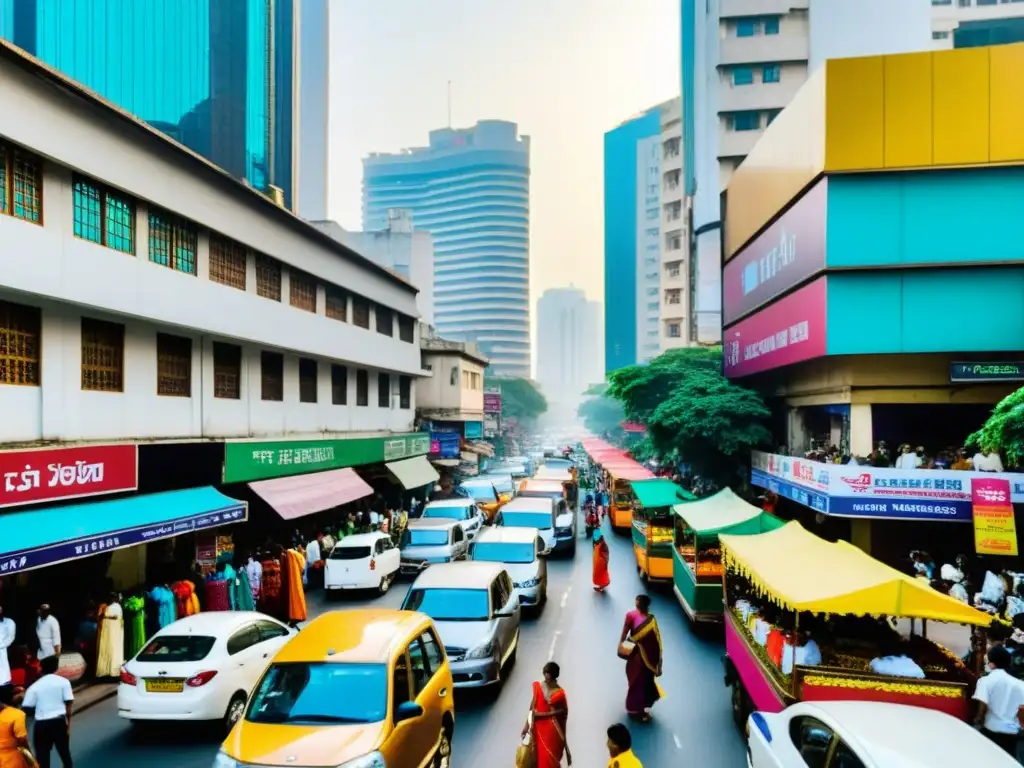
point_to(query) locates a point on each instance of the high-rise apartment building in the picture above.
(674, 295)
(470, 188)
(218, 76)
(568, 357)
(742, 63)
(981, 18)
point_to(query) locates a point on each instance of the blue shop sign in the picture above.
(448, 444)
(474, 430)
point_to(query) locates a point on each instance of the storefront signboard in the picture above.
(847, 490)
(57, 474)
(447, 444)
(492, 402)
(789, 331)
(787, 253)
(250, 461)
(995, 529)
(474, 430)
(979, 373)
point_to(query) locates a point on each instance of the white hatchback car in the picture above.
(363, 561)
(465, 511)
(202, 667)
(866, 734)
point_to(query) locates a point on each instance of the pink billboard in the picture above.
(789, 331)
(791, 250)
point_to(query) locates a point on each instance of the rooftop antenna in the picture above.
(449, 103)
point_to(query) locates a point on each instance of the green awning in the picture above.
(660, 492)
(725, 512)
(413, 473)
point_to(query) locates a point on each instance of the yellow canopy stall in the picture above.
(803, 572)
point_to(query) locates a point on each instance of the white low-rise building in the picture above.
(455, 390)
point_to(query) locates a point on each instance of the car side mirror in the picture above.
(408, 710)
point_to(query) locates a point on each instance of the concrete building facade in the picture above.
(567, 344)
(674, 295)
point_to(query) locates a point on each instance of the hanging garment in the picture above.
(241, 592)
(271, 601)
(296, 594)
(135, 626)
(254, 570)
(166, 607)
(110, 655)
(99, 628)
(217, 598)
(229, 577)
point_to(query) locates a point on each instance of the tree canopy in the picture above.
(601, 414)
(640, 388)
(1004, 429)
(520, 399)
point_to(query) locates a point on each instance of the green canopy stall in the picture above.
(653, 502)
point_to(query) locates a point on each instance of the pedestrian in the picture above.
(51, 697)
(600, 573)
(620, 748)
(48, 633)
(7, 630)
(13, 732)
(1000, 700)
(549, 713)
(643, 654)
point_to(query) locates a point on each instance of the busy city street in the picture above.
(578, 629)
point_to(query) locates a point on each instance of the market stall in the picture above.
(652, 525)
(621, 476)
(696, 554)
(811, 620)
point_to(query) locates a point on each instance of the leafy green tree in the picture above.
(601, 414)
(520, 399)
(641, 388)
(1004, 429)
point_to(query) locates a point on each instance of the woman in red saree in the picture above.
(643, 664)
(549, 711)
(601, 554)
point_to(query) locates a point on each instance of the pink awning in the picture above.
(302, 495)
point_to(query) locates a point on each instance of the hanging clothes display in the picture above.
(166, 607)
(216, 593)
(296, 594)
(254, 571)
(241, 592)
(110, 655)
(135, 625)
(271, 601)
(186, 602)
(100, 612)
(229, 576)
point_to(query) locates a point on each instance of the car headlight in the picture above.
(223, 760)
(527, 584)
(372, 760)
(481, 651)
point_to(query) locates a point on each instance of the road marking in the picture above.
(565, 597)
(679, 744)
(554, 640)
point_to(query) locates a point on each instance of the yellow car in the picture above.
(353, 689)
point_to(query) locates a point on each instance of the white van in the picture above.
(529, 512)
(363, 561)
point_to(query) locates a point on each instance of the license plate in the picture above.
(165, 686)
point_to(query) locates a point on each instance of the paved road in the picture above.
(578, 629)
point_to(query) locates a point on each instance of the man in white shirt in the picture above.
(6, 641)
(51, 698)
(1000, 698)
(48, 633)
(987, 460)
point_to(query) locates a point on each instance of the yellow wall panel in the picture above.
(908, 111)
(961, 103)
(1006, 80)
(853, 114)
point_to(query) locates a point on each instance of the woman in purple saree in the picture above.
(643, 658)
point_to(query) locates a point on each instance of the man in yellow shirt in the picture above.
(620, 747)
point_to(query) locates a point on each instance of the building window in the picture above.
(771, 73)
(21, 184)
(987, 2)
(674, 331)
(268, 277)
(940, 35)
(385, 321)
(20, 336)
(227, 262)
(173, 365)
(302, 291)
(745, 121)
(454, 379)
(383, 390)
(743, 76)
(173, 242)
(360, 312)
(272, 376)
(406, 329)
(362, 388)
(404, 392)
(102, 356)
(337, 304)
(307, 380)
(942, 2)
(102, 216)
(746, 27)
(339, 385)
(771, 25)
(227, 371)
(673, 296)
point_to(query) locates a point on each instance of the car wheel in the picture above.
(385, 583)
(572, 549)
(235, 710)
(443, 758)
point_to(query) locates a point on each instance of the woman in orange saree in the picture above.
(600, 570)
(550, 713)
(296, 564)
(643, 664)
(13, 733)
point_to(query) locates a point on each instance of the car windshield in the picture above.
(172, 648)
(539, 520)
(503, 552)
(448, 513)
(481, 492)
(449, 604)
(342, 552)
(321, 693)
(425, 538)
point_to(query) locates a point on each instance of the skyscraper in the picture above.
(470, 188)
(568, 344)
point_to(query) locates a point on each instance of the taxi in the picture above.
(355, 689)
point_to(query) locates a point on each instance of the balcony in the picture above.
(735, 9)
(737, 143)
(763, 48)
(761, 96)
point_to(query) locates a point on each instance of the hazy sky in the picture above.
(565, 70)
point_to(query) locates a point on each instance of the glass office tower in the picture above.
(216, 75)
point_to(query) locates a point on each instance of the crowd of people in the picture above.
(908, 456)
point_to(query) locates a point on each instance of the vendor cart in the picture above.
(652, 526)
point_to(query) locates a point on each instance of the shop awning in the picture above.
(630, 472)
(445, 462)
(413, 473)
(483, 449)
(37, 538)
(301, 495)
(660, 492)
(803, 572)
(725, 512)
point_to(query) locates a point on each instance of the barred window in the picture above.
(21, 183)
(173, 242)
(406, 328)
(272, 376)
(268, 277)
(103, 216)
(102, 356)
(362, 388)
(339, 385)
(404, 392)
(20, 341)
(307, 380)
(173, 365)
(227, 371)
(227, 262)
(360, 312)
(383, 390)
(337, 304)
(385, 321)
(302, 291)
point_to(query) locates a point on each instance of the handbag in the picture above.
(626, 648)
(526, 752)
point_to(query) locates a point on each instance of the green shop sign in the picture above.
(960, 373)
(246, 462)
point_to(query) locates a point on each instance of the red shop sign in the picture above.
(50, 474)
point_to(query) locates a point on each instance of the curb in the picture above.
(91, 701)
